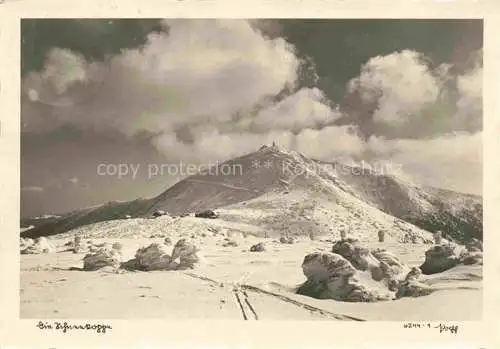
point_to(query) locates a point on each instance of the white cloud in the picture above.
(451, 161)
(470, 101)
(414, 100)
(401, 82)
(204, 73)
(304, 109)
(211, 145)
(329, 142)
(64, 68)
(215, 67)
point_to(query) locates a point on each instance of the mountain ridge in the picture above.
(267, 170)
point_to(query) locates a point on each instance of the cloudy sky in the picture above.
(146, 92)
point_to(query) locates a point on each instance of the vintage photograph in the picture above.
(260, 169)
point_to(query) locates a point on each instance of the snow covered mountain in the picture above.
(283, 192)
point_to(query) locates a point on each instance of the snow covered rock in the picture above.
(387, 257)
(152, 257)
(343, 235)
(412, 287)
(25, 243)
(331, 276)
(312, 235)
(471, 258)
(440, 258)
(260, 247)
(353, 273)
(381, 236)
(94, 247)
(390, 270)
(414, 274)
(39, 246)
(159, 213)
(358, 256)
(103, 257)
(79, 246)
(287, 240)
(188, 254)
(320, 266)
(207, 214)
